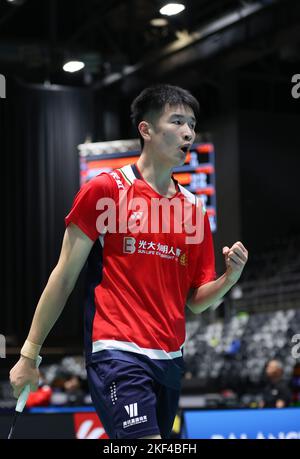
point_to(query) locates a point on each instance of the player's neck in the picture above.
(156, 175)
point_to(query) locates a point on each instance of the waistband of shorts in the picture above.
(154, 354)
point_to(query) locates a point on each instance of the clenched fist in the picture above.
(235, 258)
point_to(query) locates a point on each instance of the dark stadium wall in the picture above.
(257, 178)
(108, 115)
(40, 129)
(269, 146)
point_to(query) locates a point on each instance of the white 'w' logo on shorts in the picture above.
(132, 409)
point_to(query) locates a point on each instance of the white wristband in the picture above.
(30, 350)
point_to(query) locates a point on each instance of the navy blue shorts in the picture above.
(129, 401)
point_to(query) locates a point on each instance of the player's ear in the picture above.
(145, 130)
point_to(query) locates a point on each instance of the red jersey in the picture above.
(138, 281)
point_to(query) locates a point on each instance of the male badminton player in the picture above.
(138, 281)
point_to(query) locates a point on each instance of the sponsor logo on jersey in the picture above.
(183, 259)
(129, 245)
(137, 215)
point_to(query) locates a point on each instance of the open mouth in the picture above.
(185, 149)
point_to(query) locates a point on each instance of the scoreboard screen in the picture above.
(196, 175)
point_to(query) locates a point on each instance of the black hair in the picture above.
(152, 100)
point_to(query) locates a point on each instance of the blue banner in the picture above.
(243, 424)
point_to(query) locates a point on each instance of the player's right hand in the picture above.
(23, 373)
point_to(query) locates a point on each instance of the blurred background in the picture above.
(241, 59)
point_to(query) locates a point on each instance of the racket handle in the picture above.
(25, 392)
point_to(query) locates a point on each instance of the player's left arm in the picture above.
(204, 296)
